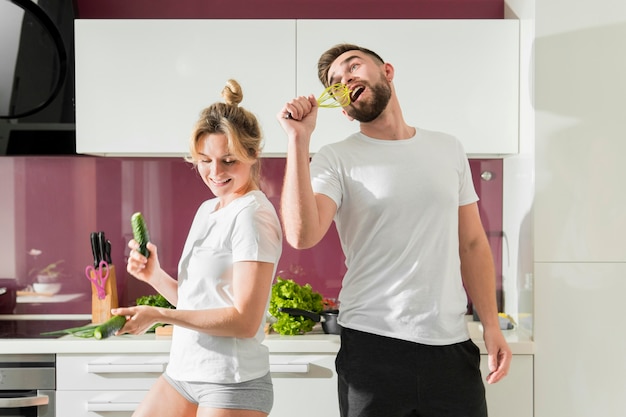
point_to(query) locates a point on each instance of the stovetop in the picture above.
(32, 329)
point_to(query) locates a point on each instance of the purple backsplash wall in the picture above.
(58, 201)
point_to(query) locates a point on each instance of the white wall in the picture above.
(519, 182)
(8, 268)
(580, 208)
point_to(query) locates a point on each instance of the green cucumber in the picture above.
(109, 327)
(140, 233)
(99, 331)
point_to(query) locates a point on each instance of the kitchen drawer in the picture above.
(109, 372)
(98, 403)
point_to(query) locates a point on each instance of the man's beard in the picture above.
(368, 111)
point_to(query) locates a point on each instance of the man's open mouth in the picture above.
(356, 92)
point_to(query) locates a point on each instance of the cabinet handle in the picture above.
(111, 406)
(111, 368)
(294, 368)
(18, 402)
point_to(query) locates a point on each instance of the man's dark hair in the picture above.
(328, 57)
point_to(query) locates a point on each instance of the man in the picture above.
(405, 209)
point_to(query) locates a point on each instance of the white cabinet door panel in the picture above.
(141, 84)
(512, 396)
(305, 394)
(456, 76)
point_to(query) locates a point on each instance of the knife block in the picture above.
(101, 309)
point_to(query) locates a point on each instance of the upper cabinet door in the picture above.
(456, 76)
(141, 84)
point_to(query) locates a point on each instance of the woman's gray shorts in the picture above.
(257, 394)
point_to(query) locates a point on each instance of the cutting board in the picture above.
(33, 294)
(164, 330)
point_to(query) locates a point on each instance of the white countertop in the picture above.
(519, 340)
(314, 342)
(46, 298)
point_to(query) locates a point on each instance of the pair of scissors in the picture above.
(98, 277)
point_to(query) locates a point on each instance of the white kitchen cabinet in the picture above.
(141, 84)
(114, 384)
(456, 76)
(91, 384)
(303, 374)
(512, 396)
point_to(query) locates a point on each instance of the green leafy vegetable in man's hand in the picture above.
(287, 293)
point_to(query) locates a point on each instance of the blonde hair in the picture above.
(240, 127)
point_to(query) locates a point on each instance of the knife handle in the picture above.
(95, 249)
(107, 252)
(102, 243)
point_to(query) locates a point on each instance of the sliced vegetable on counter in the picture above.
(109, 327)
(140, 233)
(288, 293)
(330, 304)
(97, 331)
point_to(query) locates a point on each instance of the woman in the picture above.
(218, 366)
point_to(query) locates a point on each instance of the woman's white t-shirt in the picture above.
(247, 229)
(397, 220)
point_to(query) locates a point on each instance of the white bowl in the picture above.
(47, 287)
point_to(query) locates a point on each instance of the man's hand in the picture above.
(298, 117)
(499, 355)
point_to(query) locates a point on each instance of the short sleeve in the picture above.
(256, 235)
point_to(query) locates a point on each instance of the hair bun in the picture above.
(232, 93)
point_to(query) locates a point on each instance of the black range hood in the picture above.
(32, 139)
(37, 114)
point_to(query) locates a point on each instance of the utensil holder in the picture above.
(101, 309)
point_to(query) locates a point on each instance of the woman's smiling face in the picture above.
(226, 176)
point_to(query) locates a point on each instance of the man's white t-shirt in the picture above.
(247, 229)
(397, 219)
